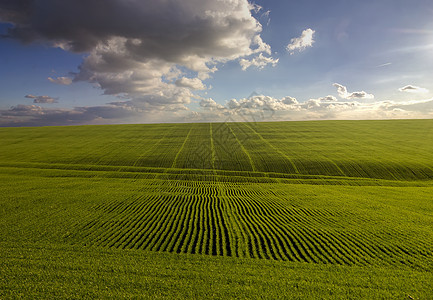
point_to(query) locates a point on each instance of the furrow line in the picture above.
(186, 228)
(267, 235)
(273, 147)
(321, 247)
(243, 148)
(284, 241)
(204, 249)
(152, 147)
(104, 225)
(212, 235)
(129, 225)
(227, 250)
(212, 147)
(342, 253)
(252, 245)
(181, 148)
(262, 247)
(120, 236)
(159, 218)
(159, 207)
(198, 227)
(236, 232)
(167, 236)
(138, 226)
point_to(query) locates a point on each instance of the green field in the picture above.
(326, 209)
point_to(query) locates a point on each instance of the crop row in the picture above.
(241, 221)
(390, 150)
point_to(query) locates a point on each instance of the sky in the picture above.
(76, 62)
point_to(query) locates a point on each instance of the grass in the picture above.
(45, 271)
(338, 209)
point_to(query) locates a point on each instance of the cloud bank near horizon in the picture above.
(255, 108)
(266, 108)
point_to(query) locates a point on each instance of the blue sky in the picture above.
(76, 62)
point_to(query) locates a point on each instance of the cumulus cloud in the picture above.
(360, 95)
(258, 62)
(328, 98)
(192, 83)
(261, 102)
(267, 108)
(42, 99)
(289, 100)
(211, 104)
(413, 89)
(254, 108)
(301, 43)
(343, 93)
(34, 115)
(137, 48)
(341, 90)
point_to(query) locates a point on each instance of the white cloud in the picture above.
(343, 93)
(266, 108)
(341, 90)
(210, 104)
(266, 17)
(413, 89)
(384, 65)
(61, 80)
(264, 103)
(258, 62)
(328, 98)
(42, 99)
(301, 43)
(192, 83)
(254, 108)
(289, 100)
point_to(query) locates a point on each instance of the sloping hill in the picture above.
(354, 194)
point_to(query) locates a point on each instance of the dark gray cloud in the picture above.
(136, 48)
(81, 25)
(34, 115)
(22, 110)
(42, 99)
